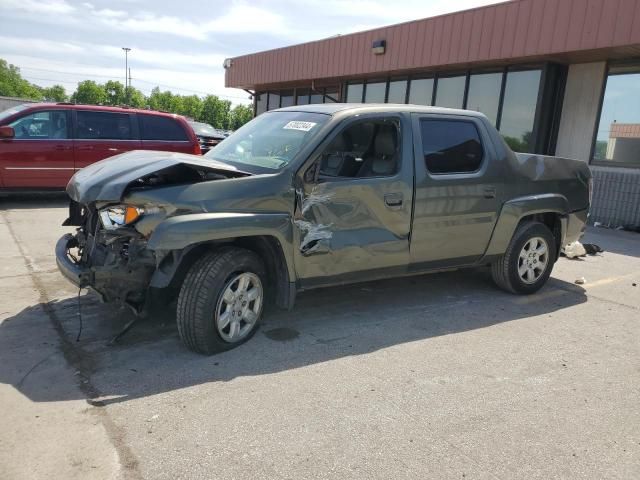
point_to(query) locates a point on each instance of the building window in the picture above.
(316, 98)
(450, 91)
(302, 96)
(618, 135)
(519, 109)
(421, 91)
(450, 146)
(332, 92)
(274, 101)
(354, 93)
(484, 94)
(261, 102)
(286, 99)
(375, 92)
(397, 91)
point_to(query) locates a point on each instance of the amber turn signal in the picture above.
(131, 214)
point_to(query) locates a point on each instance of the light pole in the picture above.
(126, 70)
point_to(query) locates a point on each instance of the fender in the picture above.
(182, 231)
(516, 209)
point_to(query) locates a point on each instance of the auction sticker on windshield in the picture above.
(297, 125)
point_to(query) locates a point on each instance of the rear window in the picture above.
(451, 146)
(104, 126)
(154, 127)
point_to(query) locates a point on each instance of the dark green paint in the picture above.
(343, 230)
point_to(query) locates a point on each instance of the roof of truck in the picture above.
(332, 108)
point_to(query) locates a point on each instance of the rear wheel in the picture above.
(221, 300)
(526, 265)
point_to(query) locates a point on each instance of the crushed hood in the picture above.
(108, 179)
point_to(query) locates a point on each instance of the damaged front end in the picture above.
(109, 252)
(111, 259)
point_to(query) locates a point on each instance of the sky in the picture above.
(179, 45)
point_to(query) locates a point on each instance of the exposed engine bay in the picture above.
(117, 259)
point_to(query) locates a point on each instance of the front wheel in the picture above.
(526, 265)
(221, 300)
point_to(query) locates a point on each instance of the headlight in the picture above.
(120, 215)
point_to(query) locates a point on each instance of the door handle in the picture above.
(85, 147)
(490, 192)
(393, 200)
(62, 147)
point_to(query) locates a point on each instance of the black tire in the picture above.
(200, 293)
(505, 270)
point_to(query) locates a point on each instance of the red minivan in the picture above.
(43, 144)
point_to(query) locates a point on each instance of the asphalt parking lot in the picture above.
(438, 376)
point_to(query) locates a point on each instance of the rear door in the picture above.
(353, 221)
(101, 134)
(165, 132)
(41, 153)
(459, 183)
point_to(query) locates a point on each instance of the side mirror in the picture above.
(7, 132)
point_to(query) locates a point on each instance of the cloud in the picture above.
(243, 18)
(39, 6)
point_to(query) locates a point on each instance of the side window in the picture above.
(42, 125)
(451, 146)
(364, 149)
(103, 125)
(155, 127)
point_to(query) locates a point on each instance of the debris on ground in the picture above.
(581, 281)
(592, 248)
(577, 249)
(574, 250)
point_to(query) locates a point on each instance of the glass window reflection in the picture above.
(375, 92)
(274, 101)
(450, 92)
(519, 109)
(397, 91)
(421, 91)
(618, 137)
(354, 93)
(484, 94)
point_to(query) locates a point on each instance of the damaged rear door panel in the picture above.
(352, 221)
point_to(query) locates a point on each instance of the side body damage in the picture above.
(344, 207)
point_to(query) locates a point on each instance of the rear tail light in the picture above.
(196, 149)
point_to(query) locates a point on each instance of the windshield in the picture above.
(204, 129)
(268, 142)
(10, 111)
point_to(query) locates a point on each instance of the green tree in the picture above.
(215, 111)
(191, 107)
(240, 115)
(136, 98)
(89, 92)
(56, 93)
(13, 85)
(115, 93)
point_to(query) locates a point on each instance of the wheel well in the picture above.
(552, 221)
(266, 247)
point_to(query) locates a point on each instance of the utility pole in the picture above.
(126, 72)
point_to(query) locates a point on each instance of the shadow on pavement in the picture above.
(325, 325)
(35, 200)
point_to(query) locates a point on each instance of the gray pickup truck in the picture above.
(312, 196)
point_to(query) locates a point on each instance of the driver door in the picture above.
(353, 212)
(41, 153)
